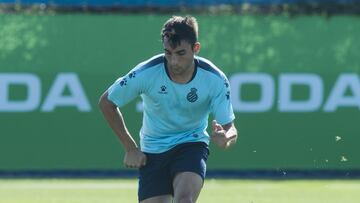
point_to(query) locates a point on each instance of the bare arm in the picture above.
(134, 158)
(224, 135)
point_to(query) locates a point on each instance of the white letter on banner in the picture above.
(76, 98)
(337, 96)
(33, 85)
(267, 92)
(315, 84)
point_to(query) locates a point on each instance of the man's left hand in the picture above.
(220, 136)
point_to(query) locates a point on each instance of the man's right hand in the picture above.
(134, 158)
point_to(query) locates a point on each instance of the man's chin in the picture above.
(176, 71)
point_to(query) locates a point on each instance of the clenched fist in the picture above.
(134, 158)
(223, 138)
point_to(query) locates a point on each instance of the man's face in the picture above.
(180, 59)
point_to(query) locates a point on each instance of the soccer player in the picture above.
(178, 90)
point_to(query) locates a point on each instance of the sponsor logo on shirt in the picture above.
(163, 90)
(228, 95)
(123, 82)
(226, 84)
(132, 74)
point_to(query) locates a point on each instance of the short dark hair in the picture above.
(179, 28)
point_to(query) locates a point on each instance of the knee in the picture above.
(184, 198)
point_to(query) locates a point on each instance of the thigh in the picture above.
(188, 170)
(155, 181)
(187, 186)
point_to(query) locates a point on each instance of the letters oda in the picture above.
(346, 82)
(285, 103)
(53, 99)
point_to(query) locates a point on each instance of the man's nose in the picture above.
(174, 61)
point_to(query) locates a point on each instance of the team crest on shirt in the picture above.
(192, 96)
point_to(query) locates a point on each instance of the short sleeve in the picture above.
(125, 89)
(221, 103)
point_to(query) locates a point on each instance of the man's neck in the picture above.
(184, 77)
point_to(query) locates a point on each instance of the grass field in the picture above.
(215, 191)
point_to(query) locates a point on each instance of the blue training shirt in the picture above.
(174, 113)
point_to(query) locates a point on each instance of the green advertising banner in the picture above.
(295, 85)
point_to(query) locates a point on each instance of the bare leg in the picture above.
(158, 199)
(187, 187)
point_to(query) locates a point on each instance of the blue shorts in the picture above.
(156, 177)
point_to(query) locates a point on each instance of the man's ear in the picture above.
(197, 47)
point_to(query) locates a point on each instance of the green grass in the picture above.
(215, 191)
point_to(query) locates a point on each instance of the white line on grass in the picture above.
(67, 186)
